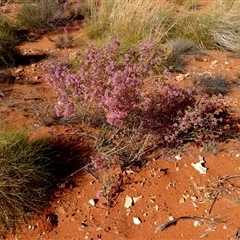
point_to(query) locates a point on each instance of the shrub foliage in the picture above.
(115, 82)
(8, 42)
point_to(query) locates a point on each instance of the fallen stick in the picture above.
(174, 222)
(221, 181)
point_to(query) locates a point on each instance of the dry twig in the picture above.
(174, 222)
(220, 182)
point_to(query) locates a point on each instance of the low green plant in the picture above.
(214, 27)
(28, 174)
(30, 170)
(42, 15)
(194, 27)
(26, 177)
(8, 42)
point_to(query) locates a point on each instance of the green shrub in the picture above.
(8, 42)
(195, 28)
(43, 15)
(214, 27)
(31, 169)
(26, 177)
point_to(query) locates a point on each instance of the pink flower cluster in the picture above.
(114, 80)
(106, 76)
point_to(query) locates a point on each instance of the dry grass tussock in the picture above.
(134, 20)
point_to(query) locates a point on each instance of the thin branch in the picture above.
(214, 200)
(221, 180)
(174, 222)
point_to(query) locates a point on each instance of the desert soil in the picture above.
(164, 189)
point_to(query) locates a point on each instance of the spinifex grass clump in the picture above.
(8, 42)
(26, 177)
(214, 84)
(135, 20)
(114, 81)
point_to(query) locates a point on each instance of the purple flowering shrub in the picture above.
(115, 81)
(107, 77)
(176, 114)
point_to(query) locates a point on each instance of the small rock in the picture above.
(182, 200)
(215, 62)
(92, 202)
(197, 223)
(180, 77)
(60, 210)
(193, 198)
(19, 70)
(178, 157)
(198, 166)
(136, 199)
(137, 220)
(128, 202)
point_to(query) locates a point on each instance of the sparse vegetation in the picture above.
(30, 170)
(25, 180)
(213, 27)
(42, 15)
(8, 42)
(64, 41)
(214, 84)
(131, 20)
(178, 49)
